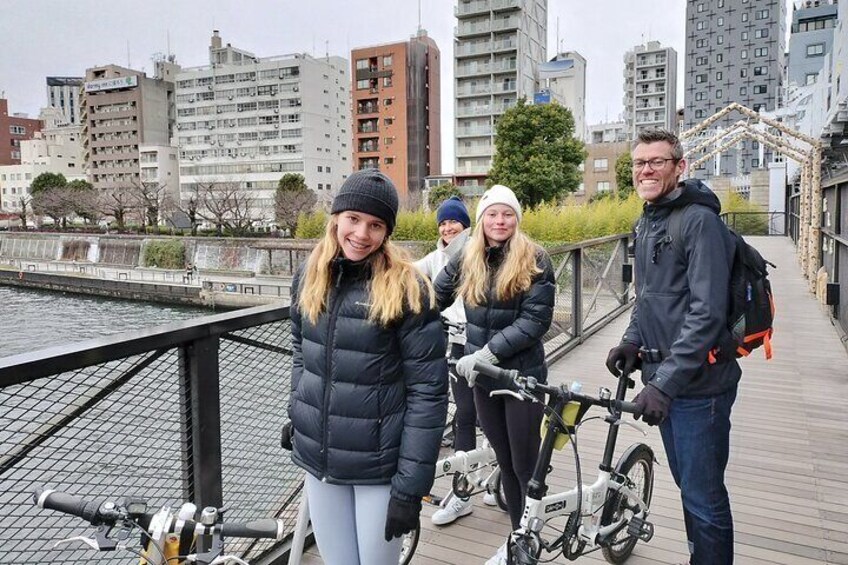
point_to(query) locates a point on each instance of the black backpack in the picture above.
(750, 316)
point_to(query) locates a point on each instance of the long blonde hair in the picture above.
(394, 283)
(514, 276)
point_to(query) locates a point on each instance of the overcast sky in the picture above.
(40, 38)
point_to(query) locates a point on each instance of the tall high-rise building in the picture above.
(122, 109)
(650, 88)
(13, 130)
(64, 93)
(564, 78)
(810, 39)
(498, 47)
(734, 53)
(244, 121)
(397, 111)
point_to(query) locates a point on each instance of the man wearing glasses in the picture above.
(679, 316)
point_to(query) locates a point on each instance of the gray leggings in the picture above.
(349, 522)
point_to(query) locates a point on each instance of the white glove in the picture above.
(465, 365)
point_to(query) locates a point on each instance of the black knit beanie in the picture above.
(371, 192)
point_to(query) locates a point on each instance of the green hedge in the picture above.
(165, 254)
(743, 216)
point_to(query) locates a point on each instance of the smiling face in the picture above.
(449, 229)
(359, 234)
(499, 223)
(650, 184)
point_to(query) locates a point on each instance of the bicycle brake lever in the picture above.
(226, 559)
(506, 392)
(87, 541)
(633, 425)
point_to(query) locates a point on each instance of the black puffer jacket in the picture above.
(368, 403)
(513, 328)
(682, 298)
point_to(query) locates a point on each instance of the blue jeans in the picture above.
(696, 436)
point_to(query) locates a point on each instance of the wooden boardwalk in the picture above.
(788, 471)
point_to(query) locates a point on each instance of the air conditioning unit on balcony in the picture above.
(229, 97)
(276, 110)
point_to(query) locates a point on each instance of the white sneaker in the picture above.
(454, 508)
(489, 499)
(498, 558)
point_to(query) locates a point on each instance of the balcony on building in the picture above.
(473, 110)
(475, 150)
(467, 70)
(499, 5)
(508, 43)
(369, 106)
(501, 24)
(465, 90)
(368, 126)
(475, 27)
(474, 131)
(504, 66)
(369, 163)
(472, 48)
(368, 146)
(505, 86)
(476, 7)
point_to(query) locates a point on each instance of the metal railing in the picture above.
(835, 253)
(757, 223)
(189, 411)
(192, 412)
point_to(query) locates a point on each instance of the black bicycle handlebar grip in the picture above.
(629, 407)
(502, 376)
(67, 503)
(264, 528)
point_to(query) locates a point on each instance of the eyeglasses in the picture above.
(655, 164)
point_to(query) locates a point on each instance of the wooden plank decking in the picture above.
(788, 468)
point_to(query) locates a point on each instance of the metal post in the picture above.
(577, 294)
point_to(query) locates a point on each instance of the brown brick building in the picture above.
(396, 111)
(599, 168)
(13, 130)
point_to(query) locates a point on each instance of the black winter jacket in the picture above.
(513, 329)
(682, 298)
(368, 403)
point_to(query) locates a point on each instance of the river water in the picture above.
(31, 320)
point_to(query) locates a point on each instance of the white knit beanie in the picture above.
(498, 194)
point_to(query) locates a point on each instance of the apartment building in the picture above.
(810, 39)
(498, 47)
(246, 121)
(734, 53)
(121, 110)
(650, 88)
(57, 148)
(63, 93)
(564, 79)
(14, 129)
(599, 168)
(396, 111)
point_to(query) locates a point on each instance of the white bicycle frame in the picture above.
(539, 512)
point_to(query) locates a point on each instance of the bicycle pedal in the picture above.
(640, 528)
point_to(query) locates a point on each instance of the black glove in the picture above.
(286, 436)
(653, 405)
(402, 517)
(623, 358)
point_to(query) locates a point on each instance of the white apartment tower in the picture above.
(246, 121)
(564, 77)
(650, 88)
(63, 93)
(498, 47)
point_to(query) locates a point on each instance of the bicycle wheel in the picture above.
(499, 493)
(410, 543)
(637, 465)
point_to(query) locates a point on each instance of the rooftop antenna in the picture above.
(168, 42)
(558, 41)
(129, 63)
(419, 16)
(327, 49)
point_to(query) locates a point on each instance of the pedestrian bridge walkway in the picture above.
(788, 471)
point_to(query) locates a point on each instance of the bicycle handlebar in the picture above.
(109, 513)
(509, 379)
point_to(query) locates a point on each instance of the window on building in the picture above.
(760, 71)
(811, 78)
(603, 186)
(361, 64)
(388, 121)
(700, 42)
(699, 114)
(719, 57)
(720, 21)
(760, 33)
(700, 95)
(387, 101)
(601, 164)
(387, 81)
(320, 169)
(744, 16)
(761, 52)
(720, 40)
(701, 78)
(719, 75)
(389, 160)
(362, 84)
(387, 60)
(815, 50)
(17, 130)
(743, 54)
(700, 60)
(718, 93)
(743, 73)
(721, 3)
(700, 7)
(760, 89)
(701, 25)
(755, 145)
(320, 186)
(743, 90)
(762, 14)
(744, 36)
(755, 163)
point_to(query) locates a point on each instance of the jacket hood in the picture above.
(691, 191)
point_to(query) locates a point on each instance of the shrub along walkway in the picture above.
(788, 448)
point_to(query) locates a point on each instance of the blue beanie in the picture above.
(453, 209)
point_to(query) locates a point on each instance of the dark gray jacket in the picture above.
(682, 297)
(368, 403)
(513, 328)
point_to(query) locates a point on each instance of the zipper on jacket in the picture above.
(331, 327)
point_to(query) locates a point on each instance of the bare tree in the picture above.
(56, 203)
(149, 198)
(24, 203)
(225, 205)
(118, 203)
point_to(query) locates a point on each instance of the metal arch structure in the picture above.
(793, 144)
